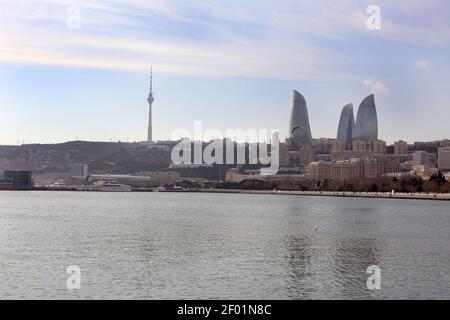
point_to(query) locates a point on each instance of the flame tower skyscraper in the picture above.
(150, 100)
(346, 126)
(299, 130)
(366, 120)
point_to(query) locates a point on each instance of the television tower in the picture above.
(150, 100)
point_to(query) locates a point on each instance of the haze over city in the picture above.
(230, 65)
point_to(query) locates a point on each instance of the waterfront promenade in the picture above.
(383, 195)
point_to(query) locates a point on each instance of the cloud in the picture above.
(422, 64)
(233, 58)
(268, 39)
(376, 86)
(133, 35)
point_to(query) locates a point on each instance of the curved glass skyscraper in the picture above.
(299, 129)
(366, 121)
(346, 126)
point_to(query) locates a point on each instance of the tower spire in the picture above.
(150, 100)
(151, 80)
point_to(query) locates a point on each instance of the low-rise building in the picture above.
(350, 169)
(145, 179)
(400, 147)
(305, 156)
(234, 176)
(425, 171)
(18, 179)
(444, 159)
(352, 154)
(377, 146)
(421, 158)
(319, 170)
(284, 155)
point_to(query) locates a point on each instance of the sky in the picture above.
(80, 69)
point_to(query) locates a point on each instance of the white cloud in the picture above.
(376, 86)
(233, 58)
(422, 64)
(270, 39)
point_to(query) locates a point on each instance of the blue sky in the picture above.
(231, 64)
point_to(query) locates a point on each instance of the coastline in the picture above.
(341, 194)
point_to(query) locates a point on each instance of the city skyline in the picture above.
(225, 156)
(214, 62)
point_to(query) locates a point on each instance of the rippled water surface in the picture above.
(225, 246)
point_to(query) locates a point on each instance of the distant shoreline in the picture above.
(341, 194)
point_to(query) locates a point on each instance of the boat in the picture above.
(112, 186)
(171, 189)
(58, 185)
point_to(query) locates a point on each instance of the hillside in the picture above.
(102, 157)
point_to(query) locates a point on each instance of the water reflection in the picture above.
(300, 268)
(145, 273)
(205, 246)
(352, 257)
(335, 268)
